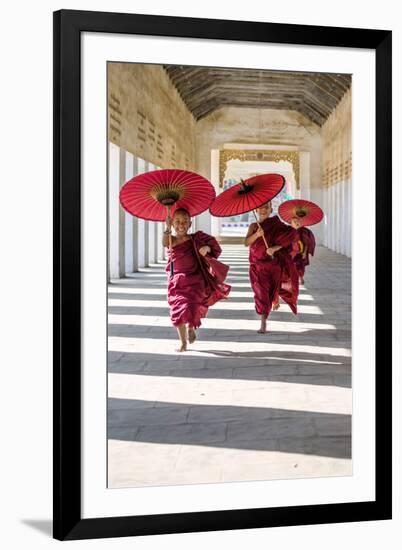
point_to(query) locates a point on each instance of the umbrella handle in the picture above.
(170, 247)
(258, 223)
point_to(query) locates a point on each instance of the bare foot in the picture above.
(183, 347)
(276, 306)
(263, 328)
(191, 335)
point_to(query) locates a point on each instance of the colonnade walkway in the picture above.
(238, 405)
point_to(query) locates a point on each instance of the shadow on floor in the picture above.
(235, 427)
(278, 367)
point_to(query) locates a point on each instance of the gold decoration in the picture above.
(168, 195)
(300, 212)
(259, 155)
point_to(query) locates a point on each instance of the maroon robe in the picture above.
(197, 281)
(307, 241)
(273, 276)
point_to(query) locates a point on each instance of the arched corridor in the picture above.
(238, 405)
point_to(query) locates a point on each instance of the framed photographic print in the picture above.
(187, 398)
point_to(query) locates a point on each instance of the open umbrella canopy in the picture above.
(307, 212)
(149, 195)
(247, 195)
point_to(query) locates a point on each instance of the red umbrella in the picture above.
(155, 195)
(247, 195)
(152, 195)
(308, 213)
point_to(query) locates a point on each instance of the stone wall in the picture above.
(147, 116)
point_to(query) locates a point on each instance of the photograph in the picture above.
(229, 274)
(202, 321)
(222, 230)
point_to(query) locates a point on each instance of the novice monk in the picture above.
(306, 242)
(190, 292)
(272, 271)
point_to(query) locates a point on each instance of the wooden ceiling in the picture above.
(205, 89)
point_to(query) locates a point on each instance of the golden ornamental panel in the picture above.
(259, 155)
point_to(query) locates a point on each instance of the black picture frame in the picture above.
(68, 26)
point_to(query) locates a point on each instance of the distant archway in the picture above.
(237, 168)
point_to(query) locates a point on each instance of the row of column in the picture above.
(338, 217)
(133, 242)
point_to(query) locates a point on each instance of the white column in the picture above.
(342, 218)
(333, 216)
(151, 229)
(337, 208)
(116, 213)
(160, 228)
(143, 238)
(337, 212)
(146, 243)
(348, 216)
(325, 220)
(214, 222)
(129, 220)
(135, 225)
(317, 195)
(122, 218)
(151, 242)
(141, 243)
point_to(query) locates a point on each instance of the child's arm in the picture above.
(206, 244)
(204, 250)
(254, 232)
(272, 249)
